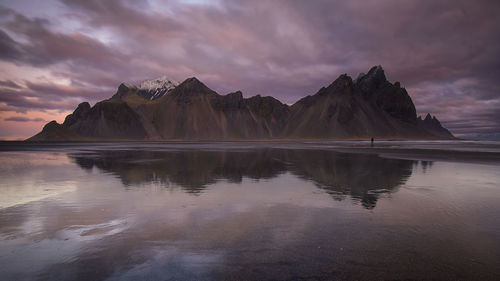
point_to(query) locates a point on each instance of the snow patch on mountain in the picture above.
(156, 88)
(159, 83)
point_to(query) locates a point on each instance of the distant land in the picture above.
(162, 109)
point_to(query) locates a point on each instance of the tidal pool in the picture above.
(249, 211)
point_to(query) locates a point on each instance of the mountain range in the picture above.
(162, 109)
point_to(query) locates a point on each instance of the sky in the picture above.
(55, 54)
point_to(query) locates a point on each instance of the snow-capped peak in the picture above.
(159, 83)
(156, 88)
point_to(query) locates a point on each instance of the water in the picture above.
(250, 211)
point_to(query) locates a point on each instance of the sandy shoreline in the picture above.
(451, 151)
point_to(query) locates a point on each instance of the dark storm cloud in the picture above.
(415, 40)
(231, 48)
(444, 52)
(45, 47)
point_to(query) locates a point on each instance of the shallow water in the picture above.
(250, 211)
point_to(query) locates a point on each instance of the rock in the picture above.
(432, 125)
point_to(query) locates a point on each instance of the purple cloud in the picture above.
(9, 84)
(24, 119)
(22, 101)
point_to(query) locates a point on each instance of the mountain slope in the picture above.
(193, 111)
(162, 109)
(370, 106)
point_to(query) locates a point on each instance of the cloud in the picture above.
(45, 47)
(46, 89)
(9, 49)
(24, 100)
(24, 119)
(444, 52)
(9, 84)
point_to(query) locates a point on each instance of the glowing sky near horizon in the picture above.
(55, 54)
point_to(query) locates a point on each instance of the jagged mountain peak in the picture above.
(156, 88)
(376, 72)
(343, 80)
(428, 117)
(83, 106)
(235, 95)
(193, 82)
(376, 69)
(124, 89)
(372, 80)
(81, 110)
(342, 85)
(159, 83)
(432, 124)
(191, 86)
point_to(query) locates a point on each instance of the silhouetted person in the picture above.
(372, 142)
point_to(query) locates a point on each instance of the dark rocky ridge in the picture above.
(432, 125)
(368, 107)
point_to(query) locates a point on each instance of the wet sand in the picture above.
(250, 211)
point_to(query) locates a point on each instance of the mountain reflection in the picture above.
(360, 176)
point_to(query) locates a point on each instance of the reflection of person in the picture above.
(372, 141)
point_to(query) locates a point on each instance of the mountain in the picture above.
(162, 109)
(370, 106)
(432, 125)
(157, 88)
